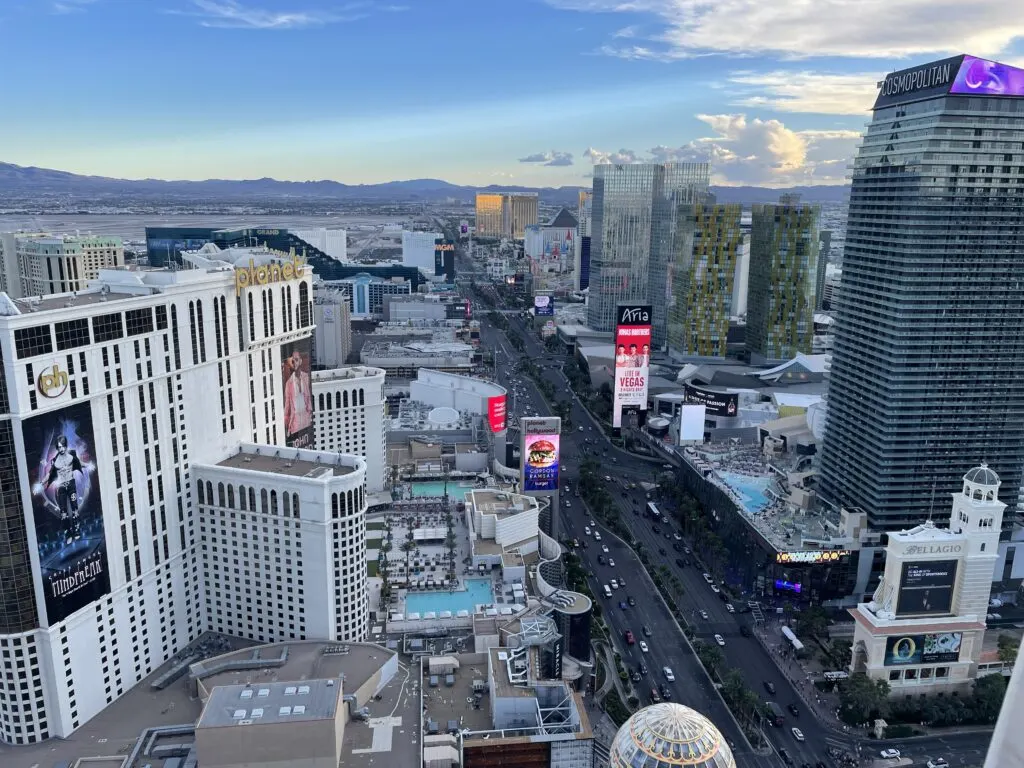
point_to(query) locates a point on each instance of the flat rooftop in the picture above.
(500, 503)
(347, 373)
(283, 465)
(286, 702)
(503, 685)
(61, 301)
(443, 703)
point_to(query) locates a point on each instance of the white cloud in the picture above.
(799, 29)
(70, 6)
(761, 152)
(233, 15)
(820, 93)
(553, 158)
(622, 157)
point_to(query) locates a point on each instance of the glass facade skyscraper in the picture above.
(927, 374)
(784, 248)
(635, 210)
(705, 276)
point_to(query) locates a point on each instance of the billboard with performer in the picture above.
(632, 360)
(926, 588)
(298, 393)
(66, 509)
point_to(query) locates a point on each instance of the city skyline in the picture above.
(195, 89)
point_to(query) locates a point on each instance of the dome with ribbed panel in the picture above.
(668, 735)
(982, 476)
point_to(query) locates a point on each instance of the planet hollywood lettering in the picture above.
(918, 79)
(264, 274)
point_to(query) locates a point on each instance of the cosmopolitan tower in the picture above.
(926, 370)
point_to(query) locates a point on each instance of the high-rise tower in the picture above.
(635, 209)
(926, 368)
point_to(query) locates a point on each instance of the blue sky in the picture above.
(472, 91)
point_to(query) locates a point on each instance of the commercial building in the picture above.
(290, 523)
(505, 214)
(108, 400)
(551, 247)
(783, 284)
(708, 283)
(333, 242)
(419, 307)
(404, 360)
(581, 256)
(349, 417)
(926, 363)
(39, 265)
(923, 630)
(366, 293)
(419, 250)
(635, 212)
(332, 314)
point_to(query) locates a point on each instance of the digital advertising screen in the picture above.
(497, 412)
(540, 462)
(691, 423)
(298, 393)
(717, 403)
(931, 648)
(926, 588)
(544, 305)
(981, 77)
(66, 509)
(632, 359)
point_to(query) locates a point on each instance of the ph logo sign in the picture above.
(52, 383)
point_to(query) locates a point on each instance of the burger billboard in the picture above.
(540, 455)
(632, 359)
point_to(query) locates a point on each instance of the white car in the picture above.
(797, 734)
(597, 535)
(729, 608)
(604, 548)
(715, 589)
(586, 529)
(643, 646)
(891, 754)
(938, 762)
(704, 615)
(719, 639)
(581, 429)
(615, 584)
(593, 524)
(669, 674)
(707, 577)
(611, 562)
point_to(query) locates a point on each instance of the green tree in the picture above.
(862, 699)
(1008, 648)
(812, 622)
(987, 700)
(710, 656)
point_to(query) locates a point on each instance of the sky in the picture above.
(475, 92)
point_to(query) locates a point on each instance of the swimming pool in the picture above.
(435, 488)
(477, 591)
(750, 489)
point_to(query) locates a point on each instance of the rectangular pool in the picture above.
(477, 591)
(435, 489)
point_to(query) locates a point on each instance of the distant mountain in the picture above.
(31, 181)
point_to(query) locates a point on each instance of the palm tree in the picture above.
(408, 546)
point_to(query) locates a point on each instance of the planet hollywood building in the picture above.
(139, 422)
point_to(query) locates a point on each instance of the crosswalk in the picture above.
(602, 756)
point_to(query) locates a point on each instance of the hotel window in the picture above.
(139, 321)
(72, 333)
(107, 327)
(29, 342)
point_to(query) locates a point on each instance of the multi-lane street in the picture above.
(666, 645)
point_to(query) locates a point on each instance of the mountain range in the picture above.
(29, 181)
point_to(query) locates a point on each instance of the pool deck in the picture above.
(449, 596)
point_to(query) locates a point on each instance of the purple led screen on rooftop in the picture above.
(988, 78)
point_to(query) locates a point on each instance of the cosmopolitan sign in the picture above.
(911, 80)
(265, 274)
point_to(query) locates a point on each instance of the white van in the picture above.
(607, 591)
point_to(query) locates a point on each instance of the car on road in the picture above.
(586, 530)
(581, 429)
(631, 600)
(678, 548)
(656, 529)
(611, 562)
(794, 710)
(797, 734)
(704, 615)
(604, 548)
(630, 639)
(715, 589)
(707, 577)
(600, 560)
(938, 762)
(597, 535)
(677, 536)
(769, 686)
(643, 647)
(785, 757)
(680, 563)
(607, 591)
(666, 694)
(614, 583)
(646, 630)
(642, 669)
(669, 674)
(622, 582)
(655, 696)
(729, 608)
(568, 503)
(890, 754)
(593, 524)
(622, 604)
(661, 551)
(607, 478)
(719, 639)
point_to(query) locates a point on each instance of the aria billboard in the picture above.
(930, 648)
(298, 393)
(926, 588)
(66, 510)
(632, 359)
(540, 454)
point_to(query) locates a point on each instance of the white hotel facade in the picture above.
(171, 388)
